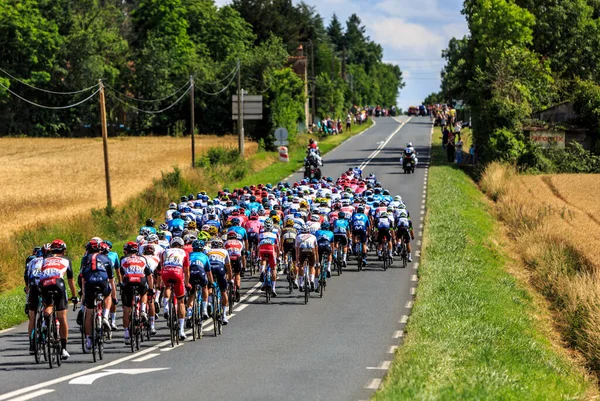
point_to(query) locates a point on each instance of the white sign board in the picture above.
(281, 143)
(281, 134)
(547, 139)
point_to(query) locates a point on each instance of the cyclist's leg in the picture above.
(127, 300)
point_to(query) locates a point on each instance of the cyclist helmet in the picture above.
(91, 247)
(46, 248)
(289, 223)
(231, 235)
(192, 224)
(315, 218)
(160, 234)
(341, 215)
(213, 230)
(198, 245)
(145, 231)
(371, 175)
(325, 225)
(216, 243)
(177, 242)
(190, 197)
(384, 214)
(37, 251)
(173, 205)
(176, 215)
(360, 209)
(398, 198)
(305, 229)
(187, 209)
(403, 215)
(268, 224)
(130, 247)
(149, 249)
(385, 192)
(235, 221)
(254, 215)
(401, 205)
(377, 190)
(152, 238)
(390, 209)
(184, 198)
(276, 219)
(57, 246)
(409, 145)
(150, 223)
(163, 227)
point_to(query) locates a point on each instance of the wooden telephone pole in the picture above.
(240, 106)
(105, 145)
(192, 121)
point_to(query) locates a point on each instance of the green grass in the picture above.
(123, 224)
(472, 334)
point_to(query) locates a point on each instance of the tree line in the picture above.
(521, 57)
(144, 50)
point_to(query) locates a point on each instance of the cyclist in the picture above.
(54, 293)
(268, 252)
(242, 236)
(288, 239)
(97, 278)
(405, 231)
(174, 266)
(307, 251)
(235, 248)
(220, 266)
(136, 272)
(253, 227)
(106, 247)
(384, 227)
(153, 259)
(177, 225)
(200, 274)
(340, 232)
(150, 226)
(32, 289)
(360, 227)
(324, 239)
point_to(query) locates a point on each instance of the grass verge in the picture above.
(473, 332)
(123, 224)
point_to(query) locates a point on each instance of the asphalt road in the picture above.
(335, 348)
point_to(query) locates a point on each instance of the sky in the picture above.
(413, 34)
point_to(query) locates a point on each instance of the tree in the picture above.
(336, 35)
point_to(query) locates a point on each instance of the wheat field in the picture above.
(48, 179)
(554, 221)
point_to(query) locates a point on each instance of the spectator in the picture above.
(459, 151)
(349, 122)
(472, 153)
(457, 129)
(445, 133)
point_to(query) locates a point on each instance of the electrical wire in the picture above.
(235, 69)
(154, 111)
(148, 100)
(51, 107)
(222, 90)
(49, 91)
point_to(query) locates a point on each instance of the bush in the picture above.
(573, 159)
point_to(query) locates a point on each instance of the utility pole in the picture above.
(192, 120)
(105, 145)
(240, 112)
(313, 83)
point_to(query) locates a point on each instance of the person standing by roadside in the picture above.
(445, 133)
(459, 151)
(349, 123)
(450, 148)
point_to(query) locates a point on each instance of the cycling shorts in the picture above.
(340, 239)
(54, 293)
(127, 293)
(361, 234)
(404, 234)
(267, 252)
(324, 249)
(290, 248)
(219, 275)
(93, 288)
(176, 276)
(33, 297)
(383, 233)
(307, 255)
(236, 266)
(199, 279)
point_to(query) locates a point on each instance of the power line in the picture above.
(238, 65)
(50, 107)
(223, 89)
(46, 90)
(154, 111)
(148, 100)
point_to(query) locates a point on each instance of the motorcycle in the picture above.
(311, 172)
(408, 164)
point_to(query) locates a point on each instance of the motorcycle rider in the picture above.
(409, 154)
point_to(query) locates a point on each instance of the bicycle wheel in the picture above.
(57, 345)
(172, 321)
(37, 339)
(268, 289)
(132, 327)
(195, 317)
(231, 298)
(100, 337)
(94, 333)
(360, 258)
(306, 287)
(215, 313)
(219, 315)
(321, 283)
(50, 341)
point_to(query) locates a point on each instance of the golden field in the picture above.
(45, 179)
(554, 221)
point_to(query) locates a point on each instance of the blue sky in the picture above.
(413, 34)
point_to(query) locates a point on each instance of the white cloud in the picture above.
(455, 30)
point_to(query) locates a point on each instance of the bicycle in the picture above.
(322, 277)
(172, 320)
(197, 314)
(386, 254)
(231, 297)
(253, 258)
(290, 275)
(403, 253)
(267, 284)
(359, 255)
(337, 261)
(217, 311)
(53, 341)
(99, 335)
(306, 282)
(136, 326)
(38, 337)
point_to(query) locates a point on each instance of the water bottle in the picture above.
(57, 325)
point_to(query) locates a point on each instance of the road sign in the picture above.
(249, 99)
(248, 117)
(252, 107)
(249, 108)
(281, 134)
(280, 143)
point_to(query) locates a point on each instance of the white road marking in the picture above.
(167, 349)
(380, 147)
(373, 384)
(413, 291)
(392, 349)
(32, 395)
(6, 330)
(419, 243)
(89, 379)
(416, 266)
(423, 206)
(403, 319)
(241, 307)
(421, 226)
(383, 365)
(145, 358)
(422, 212)
(414, 277)
(420, 233)
(409, 305)
(418, 253)
(398, 334)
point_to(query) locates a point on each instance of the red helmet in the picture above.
(130, 247)
(58, 245)
(231, 235)
(253, 216)
(93, 246)
(149, 249)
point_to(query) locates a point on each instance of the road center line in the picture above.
(380, 147)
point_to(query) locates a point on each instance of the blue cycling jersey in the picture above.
(324, 236)
(341, 226)
(360, 222)
(176, 225)
(241, 233)
(199, 263)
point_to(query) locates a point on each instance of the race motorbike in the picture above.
(408, 164)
